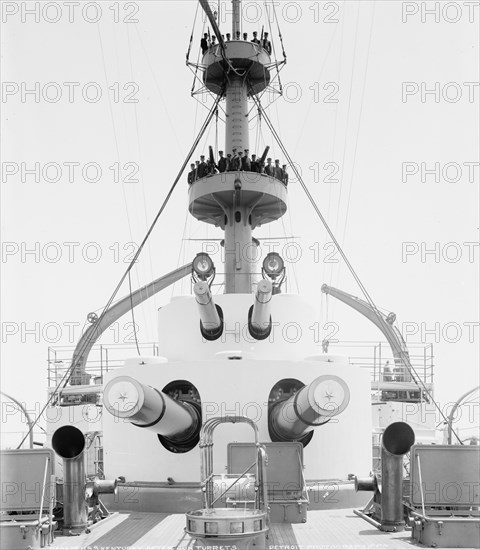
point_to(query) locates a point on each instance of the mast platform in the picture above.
(251, 60)
(259, 197)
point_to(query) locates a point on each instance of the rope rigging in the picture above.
(68, 374)
(191, 35)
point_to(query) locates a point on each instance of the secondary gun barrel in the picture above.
(146, 407)
(210, 322)
(261, 321)
(313, 405)
(265, 153)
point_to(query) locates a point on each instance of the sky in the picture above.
(380, 111)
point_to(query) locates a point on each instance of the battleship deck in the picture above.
(332, 529)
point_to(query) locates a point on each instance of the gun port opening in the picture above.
(186, 393)
(212, 334)
(259, 333)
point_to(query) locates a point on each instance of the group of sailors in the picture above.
(237, 161)
(209, 41)
(398, 374)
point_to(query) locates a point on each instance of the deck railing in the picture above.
(376, 357)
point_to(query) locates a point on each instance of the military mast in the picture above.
(239, 201)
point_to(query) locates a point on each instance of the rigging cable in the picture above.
(216, 133)
(359, 124)
(157, 85)
(191, 35)
(133, 314)
(279, 34)
(198, 56)
(345, 141)
(68, 374)
(115, 134)
(142, 180)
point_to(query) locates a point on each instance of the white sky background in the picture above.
(369, 133)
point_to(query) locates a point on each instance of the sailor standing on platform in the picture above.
(261, 166)
(267, 44)
(228, 37)
(222, 163)
(204, 43)
(246, 164)
(240, 160)
(269, 167)
(285, 174)
(387, 373)
(191, 175)
(202, 170)
(254, 164)
(213, 40)
(234, 162)
(277, 171)
(245, 36)
(238, 35)
(255, 39)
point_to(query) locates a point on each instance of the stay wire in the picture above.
(68, 374)
(359, 124)
(142, 180)
(191, 35)
(133, 314)
(279, 32)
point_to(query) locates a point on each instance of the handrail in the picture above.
(305, 489)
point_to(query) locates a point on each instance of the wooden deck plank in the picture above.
(167, 534)
(86, 539)
(127, 533)
(332, 529)
(343, 529)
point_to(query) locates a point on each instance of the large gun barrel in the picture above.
(146, 407)
(210, 323)
(313, 405)
(260, 322)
